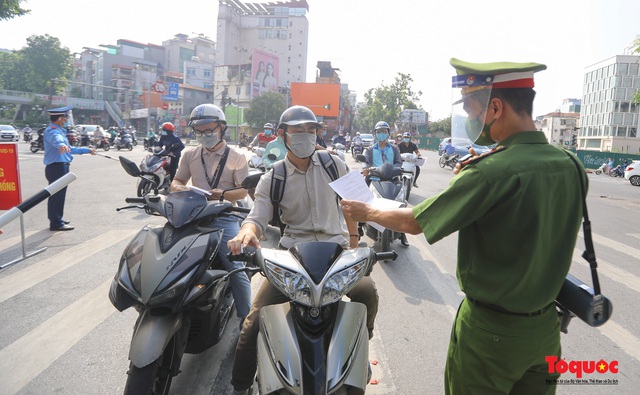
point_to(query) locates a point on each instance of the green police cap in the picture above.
(497, 75)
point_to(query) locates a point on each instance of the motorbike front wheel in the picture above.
(144, 188)
(598, 172)
(34, 148)
(106, 147)
(154, 378)
(442, 162)
(407, 187)
(129, 146)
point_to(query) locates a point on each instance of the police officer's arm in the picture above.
(400, 219)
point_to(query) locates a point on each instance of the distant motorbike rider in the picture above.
(407, 146)
(151, 139)
(339, 139)
(357, 141)
(449, 150)
(276, 148)
(172, 143)
(26, 131)
(98, 134)
(383, 152)
(263, 138)
(112, 134)
(320, 133)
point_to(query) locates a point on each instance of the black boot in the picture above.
(403, 240)
(415, 185)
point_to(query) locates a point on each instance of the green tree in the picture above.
(636, 46)
(10, 9)
(266, 108)
(441, 125)
(385, 102)
(11, 77)
(46, 65)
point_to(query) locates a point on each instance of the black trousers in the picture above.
(55, 204)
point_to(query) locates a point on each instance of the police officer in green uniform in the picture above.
(518, 210)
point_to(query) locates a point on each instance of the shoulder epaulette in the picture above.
(477, 159)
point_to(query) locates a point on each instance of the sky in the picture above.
(371, 41)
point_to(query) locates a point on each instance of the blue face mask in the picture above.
(324, 133)
(406, 140)
(267, 132)
(382, 136)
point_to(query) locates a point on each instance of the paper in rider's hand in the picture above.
(352, 186)
(200, 191)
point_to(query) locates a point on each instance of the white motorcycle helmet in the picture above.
(207, 113)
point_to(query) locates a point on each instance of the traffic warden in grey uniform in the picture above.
(517, 210)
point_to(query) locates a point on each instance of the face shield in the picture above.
(471, 94)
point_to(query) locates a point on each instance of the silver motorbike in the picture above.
(317, 343)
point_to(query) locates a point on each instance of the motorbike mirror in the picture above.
(130, 167)
(272, 157)
(361, 158)
(251, 181)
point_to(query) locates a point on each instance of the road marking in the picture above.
(622, 338)
(613, 272)
(23, 360)
(636, 235)
(616, 245)
(28, 277)
(385, 382)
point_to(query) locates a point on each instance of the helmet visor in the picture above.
(203, 120)
(471, 94)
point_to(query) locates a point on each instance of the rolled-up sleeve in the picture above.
(262, 210)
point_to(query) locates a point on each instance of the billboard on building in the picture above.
(265, 72)
(322, 99)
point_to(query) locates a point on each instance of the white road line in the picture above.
(622, 338)
(27, 357)
(616, 245)
(613, 272)
(636, 235)
(28, 277)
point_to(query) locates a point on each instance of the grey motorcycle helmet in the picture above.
(297, 115)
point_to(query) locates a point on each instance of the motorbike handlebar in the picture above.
(242, 257)
(241, 209)
(386, 256)
(138, 200)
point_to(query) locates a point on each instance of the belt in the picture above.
(505, 311)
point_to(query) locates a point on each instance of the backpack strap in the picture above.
(328, 164)
(278, 180)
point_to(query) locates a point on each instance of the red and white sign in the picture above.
(159, 87)
(10, 195)
(165, 106)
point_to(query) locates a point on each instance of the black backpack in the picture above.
(279, 178)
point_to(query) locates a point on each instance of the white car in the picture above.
(632, 173)
(89, 129)
(8, 133)
(367, 139)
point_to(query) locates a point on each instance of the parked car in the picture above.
(8, 133)
(367, 139)
(632, 173)
(462, 146)
(87, 128)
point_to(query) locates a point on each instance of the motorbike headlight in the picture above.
(342, 282)
(176, 289)
(290, 283)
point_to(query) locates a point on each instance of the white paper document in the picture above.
(352, 186)
(199, 190)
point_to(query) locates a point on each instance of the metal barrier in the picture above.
(26, 205)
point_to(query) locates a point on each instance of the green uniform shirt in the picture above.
(518, 212)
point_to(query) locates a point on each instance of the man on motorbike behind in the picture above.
(407, 146)
(383, 152)
(449, 149)
(263, 138)
(215, 167)
(339, 139)
(172, 143)
(310, 211)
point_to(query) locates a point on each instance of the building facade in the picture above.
(609, 118)
(560, 128)
(276, 31)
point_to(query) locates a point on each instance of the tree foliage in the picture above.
(266, 108)
(385, 102)
(636, 49)
(43, 66)
(10, 9)
(441, 125)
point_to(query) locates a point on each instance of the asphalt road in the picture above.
(61, 335)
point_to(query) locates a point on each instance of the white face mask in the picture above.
(209, 141)
(302, 145)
